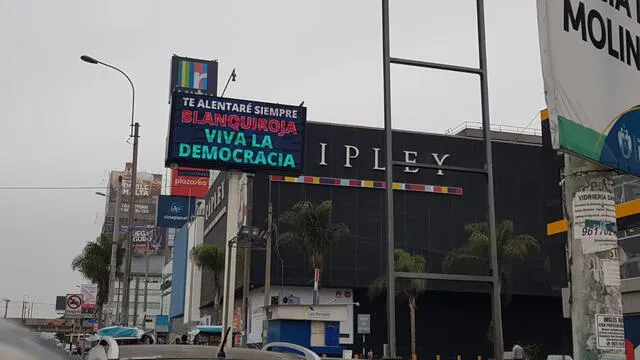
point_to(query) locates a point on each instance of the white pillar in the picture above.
(233, 203)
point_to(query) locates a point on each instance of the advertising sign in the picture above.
(146, 232)
(174, 211)
(591, 61)
(61, 303)
(221, 133)
(162, 323)
(73, 306)
(215, 205)
(89, 295)
(148, 187)
(189, 182)
(194, 74)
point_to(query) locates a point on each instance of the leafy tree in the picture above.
(474, 259)
(94, 263)
(409, 289)
(312, 230)
(211, 257)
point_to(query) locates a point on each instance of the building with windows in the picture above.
(148, 240)
(136, 304)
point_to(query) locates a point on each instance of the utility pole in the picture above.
(596, 297)
(24, 306)
(135, 301)
(132, 211)
(6, 306)
(267, 268)
(246, 277)
(134, 128)
(115, 243)
(146, 283)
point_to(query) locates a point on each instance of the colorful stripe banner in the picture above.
(450, 190)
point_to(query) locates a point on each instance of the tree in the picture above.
(211, 257)
(312, 230)
(409, 289)
(94, 263)
(474, 259)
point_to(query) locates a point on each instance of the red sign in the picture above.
(189, 182)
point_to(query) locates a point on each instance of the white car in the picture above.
(108, 349)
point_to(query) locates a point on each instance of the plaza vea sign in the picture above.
(590, 51)
(189, 182)
(209, 132)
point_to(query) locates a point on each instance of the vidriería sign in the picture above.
(219, 133)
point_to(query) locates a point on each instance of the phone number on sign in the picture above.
(595, 231)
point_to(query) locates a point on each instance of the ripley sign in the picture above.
(351, 153)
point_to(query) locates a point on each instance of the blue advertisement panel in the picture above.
(174, 211)
(162, 323)
(220, 133)
(179, 277)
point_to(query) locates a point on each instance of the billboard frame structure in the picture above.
(494, 277)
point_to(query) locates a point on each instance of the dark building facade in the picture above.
(344, 164)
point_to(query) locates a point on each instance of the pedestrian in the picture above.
(518, 352)
(370, 354)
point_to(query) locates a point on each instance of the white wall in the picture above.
(194, 274)
(327, 295)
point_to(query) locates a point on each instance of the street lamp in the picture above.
(132, 202)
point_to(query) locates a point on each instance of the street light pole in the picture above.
(134, 129)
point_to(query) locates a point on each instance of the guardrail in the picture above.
(494, 127)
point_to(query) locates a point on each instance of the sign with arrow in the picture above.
(73, 306)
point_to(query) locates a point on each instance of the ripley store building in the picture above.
(344, 164)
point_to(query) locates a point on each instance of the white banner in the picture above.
(89, 295)
(590, 53)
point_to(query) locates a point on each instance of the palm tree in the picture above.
(312, 230)
(211, 257)
(474, 259)
(409, 289)
(94, 263)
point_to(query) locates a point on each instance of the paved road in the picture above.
(20, 344)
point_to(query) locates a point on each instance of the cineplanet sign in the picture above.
(219, 133)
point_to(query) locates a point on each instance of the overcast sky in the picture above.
(65, 122)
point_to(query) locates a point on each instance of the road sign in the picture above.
(364, 324)
(73, 306)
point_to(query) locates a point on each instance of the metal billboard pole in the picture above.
(494, 277)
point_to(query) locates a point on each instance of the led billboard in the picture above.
(220, 133)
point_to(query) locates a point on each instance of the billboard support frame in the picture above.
(494, 277)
